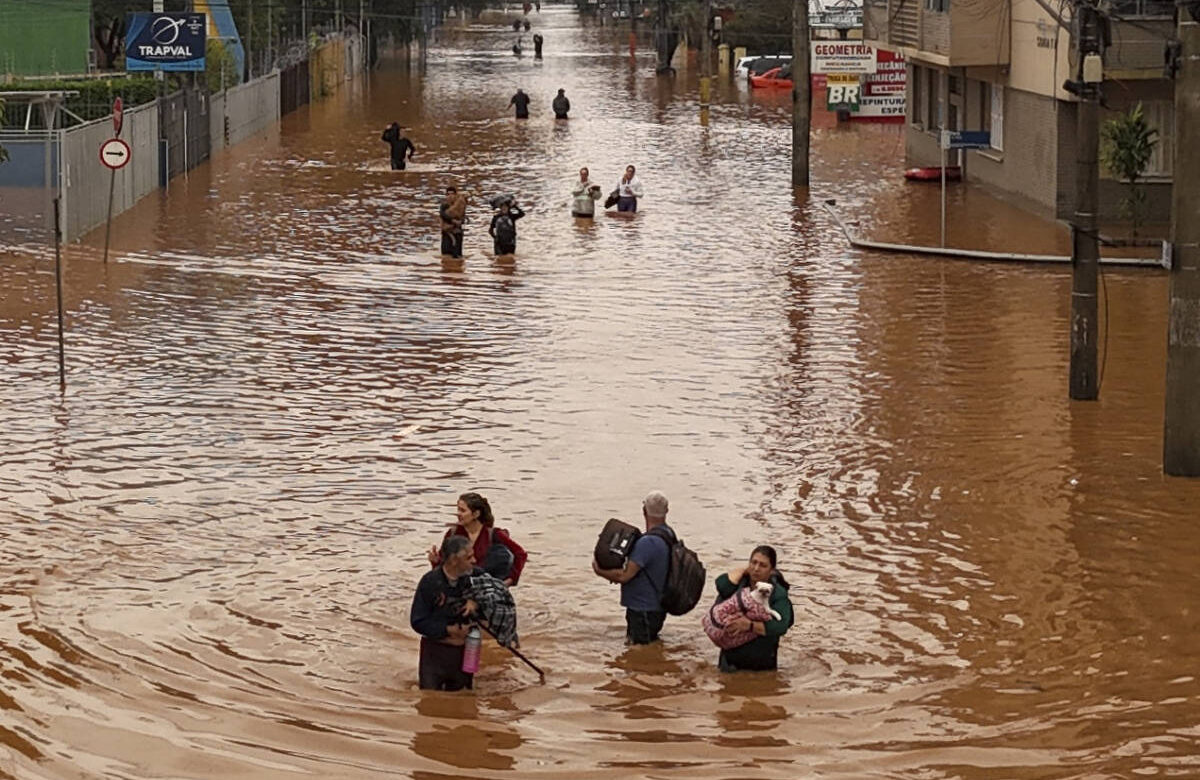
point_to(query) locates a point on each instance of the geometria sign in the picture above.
(165, 41)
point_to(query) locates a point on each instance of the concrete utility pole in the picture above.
(1085, 246)
(1181, 431)
(706, 57)
(801, 93)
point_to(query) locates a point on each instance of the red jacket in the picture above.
(484, 541)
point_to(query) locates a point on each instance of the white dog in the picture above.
(761, 592)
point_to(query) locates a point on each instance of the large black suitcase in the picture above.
(615, 544)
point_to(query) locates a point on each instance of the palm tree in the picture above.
(1128, 144)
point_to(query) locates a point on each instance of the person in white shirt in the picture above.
(585, 194)
(629, 189)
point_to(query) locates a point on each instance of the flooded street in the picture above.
(277, 390)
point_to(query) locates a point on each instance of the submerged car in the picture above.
(756, 66)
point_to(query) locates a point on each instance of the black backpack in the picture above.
(685, 574)
(506, 229)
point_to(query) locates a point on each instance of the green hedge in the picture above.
(95, 96)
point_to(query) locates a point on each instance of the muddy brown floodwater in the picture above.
(209, 544)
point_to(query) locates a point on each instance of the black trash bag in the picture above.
(612, 199)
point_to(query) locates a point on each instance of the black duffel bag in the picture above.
(615, 544)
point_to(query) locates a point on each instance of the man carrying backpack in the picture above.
(504, 228)
(644, 576)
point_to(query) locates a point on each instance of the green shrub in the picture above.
(1127, 143)
(95, 96)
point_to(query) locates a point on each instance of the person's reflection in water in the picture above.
(751, 723)
(460, 737)
(641, 674)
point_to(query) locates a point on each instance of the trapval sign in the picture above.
(165, 41)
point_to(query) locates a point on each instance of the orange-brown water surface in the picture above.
(276, 391)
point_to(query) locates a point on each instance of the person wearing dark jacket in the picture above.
(537, 45)
(561, 105)
(521, 101)
(503, 229)
(760, 653)
(394, 137)
(440, 614)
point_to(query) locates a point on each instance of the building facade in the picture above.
(1000, 65)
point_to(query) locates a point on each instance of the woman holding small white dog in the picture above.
(760, 653)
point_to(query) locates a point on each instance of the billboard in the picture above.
(165, 42)
(881, 97)
(842, 57)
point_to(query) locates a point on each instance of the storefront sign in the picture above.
(842, 57)
(882, 93)
(842, 92)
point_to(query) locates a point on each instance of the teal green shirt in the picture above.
(761, 652)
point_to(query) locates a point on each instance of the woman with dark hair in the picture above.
(495, 551)
(760, 653)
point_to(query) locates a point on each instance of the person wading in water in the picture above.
(394, 137)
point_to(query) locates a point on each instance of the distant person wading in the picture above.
(520, 101)
(584, 194)
(561, 105)
(629, 189)
(453, 213)
(401, 147)
(503, 229)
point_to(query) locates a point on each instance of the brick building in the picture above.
(999, 65)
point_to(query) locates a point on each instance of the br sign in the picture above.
(165, 42)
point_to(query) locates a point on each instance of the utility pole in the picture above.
(1181, 430)
(801, 93)
(705, 60)
(1085, 246)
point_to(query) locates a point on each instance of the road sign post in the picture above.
(959, 139)
(114, 154)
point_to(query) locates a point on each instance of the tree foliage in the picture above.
(762, 26)
(1127, 144)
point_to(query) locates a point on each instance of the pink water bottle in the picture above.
(471, 648)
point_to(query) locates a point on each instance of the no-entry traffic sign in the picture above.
(114, 153)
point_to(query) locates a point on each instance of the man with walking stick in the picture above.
(450, 600)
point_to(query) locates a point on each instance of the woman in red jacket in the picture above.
(495, 551)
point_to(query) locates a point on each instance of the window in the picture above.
(940, 6)
(985, 106)
(1160, 114)
(918, 94)
(996, 124)
(1143, 7)
(933, 99)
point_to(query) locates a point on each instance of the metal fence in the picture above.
(293, 87)
(85, 180)
(166, 138)
(183, 123)
(240, 112)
